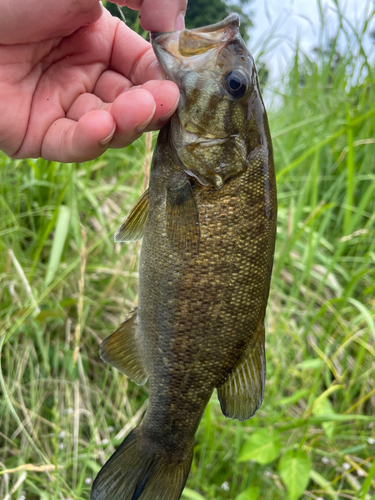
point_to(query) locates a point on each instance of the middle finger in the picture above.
(110, 85)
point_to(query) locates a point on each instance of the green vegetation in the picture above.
(64, 287)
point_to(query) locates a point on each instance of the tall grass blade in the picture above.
(59, 238)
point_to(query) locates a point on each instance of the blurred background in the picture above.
(65, 286)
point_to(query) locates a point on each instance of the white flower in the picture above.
(104, 441)
(346, 466)
(88, 480)
(225, 486)
(371, 441)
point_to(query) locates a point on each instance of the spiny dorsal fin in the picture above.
(133, 227)
(123, 350)
(182, 214)
(241, 394)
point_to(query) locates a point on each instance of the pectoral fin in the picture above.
(123, 350)
(241, 394)
(134, 225)
(182, 214)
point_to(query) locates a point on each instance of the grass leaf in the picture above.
(323, 483)
(189, 494)
(263, 446)
(251, 493)
(294, 468)
(59, 238)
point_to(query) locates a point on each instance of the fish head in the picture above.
(216, 125)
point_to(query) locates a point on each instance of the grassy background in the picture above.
(64, 287)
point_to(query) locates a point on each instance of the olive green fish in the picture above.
(208, 224)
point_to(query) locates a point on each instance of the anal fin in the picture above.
(241, 393)
(123, 350)
(133, 227)
(182, 214)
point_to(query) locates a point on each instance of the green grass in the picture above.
(64, 287)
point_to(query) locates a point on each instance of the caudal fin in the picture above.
(135, 472)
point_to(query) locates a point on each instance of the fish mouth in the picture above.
(188, 48)
(210, 31)
(232, 20)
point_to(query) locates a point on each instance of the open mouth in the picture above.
(221, 28)
(188, 43)
(213, 31)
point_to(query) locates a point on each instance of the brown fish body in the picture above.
(205, 267)
(199, 313)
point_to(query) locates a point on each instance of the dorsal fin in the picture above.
(133, 227)
(123, 350)
(241, 394)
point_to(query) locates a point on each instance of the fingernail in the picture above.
(180, 22)
(107, 140)
(144, 124)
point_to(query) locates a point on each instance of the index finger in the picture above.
(158, 15)
(133, 57)
(163, 15)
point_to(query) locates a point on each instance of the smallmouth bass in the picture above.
(208, 222)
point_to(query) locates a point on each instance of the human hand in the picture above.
(158, 15)
(74, 80)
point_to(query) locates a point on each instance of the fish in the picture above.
(208, 224)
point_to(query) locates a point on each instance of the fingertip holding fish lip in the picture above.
(231, 19)
(180, 22)
(155, 34)
(179, 50)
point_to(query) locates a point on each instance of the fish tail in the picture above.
(139, 471)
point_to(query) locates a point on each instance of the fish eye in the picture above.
(235, 84)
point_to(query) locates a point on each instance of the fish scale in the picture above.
(208, 222)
